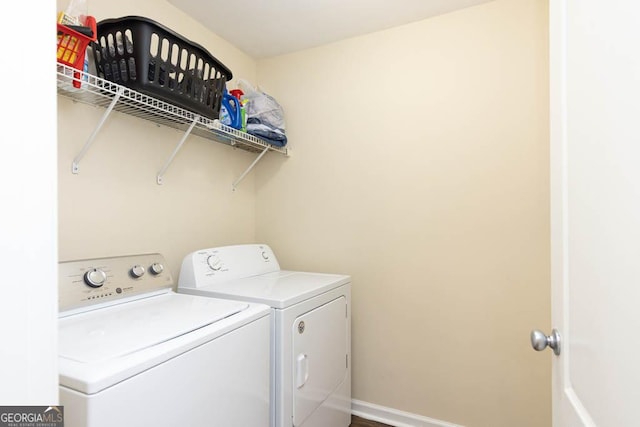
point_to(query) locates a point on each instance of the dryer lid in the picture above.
(278, 289)
(116, 331)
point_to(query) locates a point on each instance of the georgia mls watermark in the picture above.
(31, 416)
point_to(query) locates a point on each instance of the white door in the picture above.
(595, 208)
(319, 356)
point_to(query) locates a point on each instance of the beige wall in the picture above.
(114, 206)
(420, 167)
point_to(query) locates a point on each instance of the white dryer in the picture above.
(132, 352)
(311, 330)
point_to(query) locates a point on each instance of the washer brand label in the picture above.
(31, 416)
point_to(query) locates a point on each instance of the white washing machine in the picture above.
(311, 330)
(132, 352)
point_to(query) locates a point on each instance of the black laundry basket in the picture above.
(146, 56)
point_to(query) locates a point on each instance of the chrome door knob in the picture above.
(540, 341)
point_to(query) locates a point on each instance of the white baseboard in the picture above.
(394, 417)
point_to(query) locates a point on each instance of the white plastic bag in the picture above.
(75, 13)
(262, 107)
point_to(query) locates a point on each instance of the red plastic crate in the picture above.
(72, 46)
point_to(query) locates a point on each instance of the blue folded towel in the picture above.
(271, 135)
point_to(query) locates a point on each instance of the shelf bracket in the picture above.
(75, 167)
(175, 151)
(237, 181)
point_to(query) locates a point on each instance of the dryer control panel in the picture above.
(221, 264)
(86, 283)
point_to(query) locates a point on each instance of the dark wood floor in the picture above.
(361, 422)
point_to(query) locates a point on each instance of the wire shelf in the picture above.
(100, 92)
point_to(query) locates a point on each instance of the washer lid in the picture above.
(115, 331)
(279, 289)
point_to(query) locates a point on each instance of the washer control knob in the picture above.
(95, 277)
(156, 268)
(137, 271)
(214, 262)
(265, 255)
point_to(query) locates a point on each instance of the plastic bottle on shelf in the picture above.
(238, 93)
(230, 110)
(243, 114)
